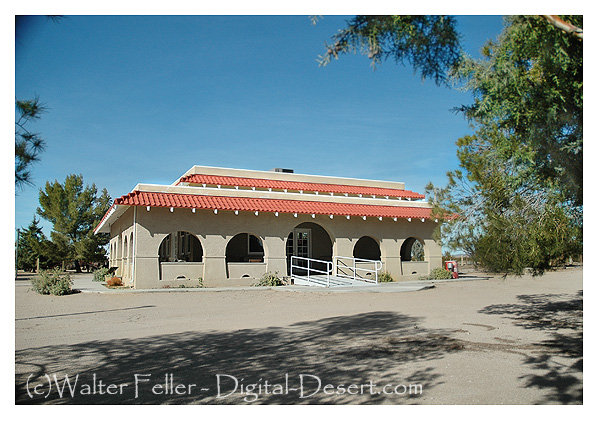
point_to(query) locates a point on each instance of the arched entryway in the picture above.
(413, 257)
(309, 240)
(244, 256)
(245, 248)
(412, 250)
(125, 271)
(130, 257)
(118, 252)
(181, 246)
(180, 256)
(367, 248)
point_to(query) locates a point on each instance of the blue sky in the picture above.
(141, 99)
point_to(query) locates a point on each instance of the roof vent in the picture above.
(282, 170)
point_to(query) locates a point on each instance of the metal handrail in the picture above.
(378, 265)
(328, 271)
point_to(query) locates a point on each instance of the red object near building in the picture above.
(452, 266)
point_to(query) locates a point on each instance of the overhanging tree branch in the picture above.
(564, 26)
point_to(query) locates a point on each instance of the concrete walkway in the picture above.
(84, 283)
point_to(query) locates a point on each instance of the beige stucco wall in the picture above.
(215, 230)
(121, 232)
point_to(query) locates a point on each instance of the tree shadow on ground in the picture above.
(339, 351)
(557, 367)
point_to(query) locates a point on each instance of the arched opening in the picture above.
(118, 251)
(245, 248)
(125, 271)
(180, 247)
(309, 240)
(367, 248)
(244, 257)
(413, 258)
(412, 250)
(130, 254)
(180, 257)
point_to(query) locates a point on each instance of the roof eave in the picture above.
(109, 218)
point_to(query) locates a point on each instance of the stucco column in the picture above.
(343, 247)
(276, 258)
(215, 265)
(435, 255)
(391, 258)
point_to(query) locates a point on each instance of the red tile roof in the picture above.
(296, 185)
(176, 200)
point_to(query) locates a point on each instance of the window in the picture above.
(255, 245)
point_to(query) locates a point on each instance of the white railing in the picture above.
(377, 265)
(296, 268)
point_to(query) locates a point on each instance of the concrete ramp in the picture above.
(331, 282)
(340, 272)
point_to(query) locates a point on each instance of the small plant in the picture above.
(385, 277)
(200, 282)
(269, 280)
(440, 273)
(114, 282)
(53, 282)
(100, 274)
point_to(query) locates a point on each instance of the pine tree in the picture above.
(28, 145)
(75, 211)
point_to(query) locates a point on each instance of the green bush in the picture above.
(440, 273)
(269, 280)
(53, 282)
(100, 274)
(385, 277)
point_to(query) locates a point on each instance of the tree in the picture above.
(74, 212)
(33, 246)
(28, 145)
(528, 102)
(429, 43)
(516, 202)
(29, 246)
(519, 200)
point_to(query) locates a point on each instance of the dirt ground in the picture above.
(496, 341)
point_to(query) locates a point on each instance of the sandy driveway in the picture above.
(499, 341)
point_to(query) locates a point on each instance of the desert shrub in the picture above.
(114, 282)
(53, 282)
(440, 273)
(269, 280)
(100, 274)
(385, 277)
